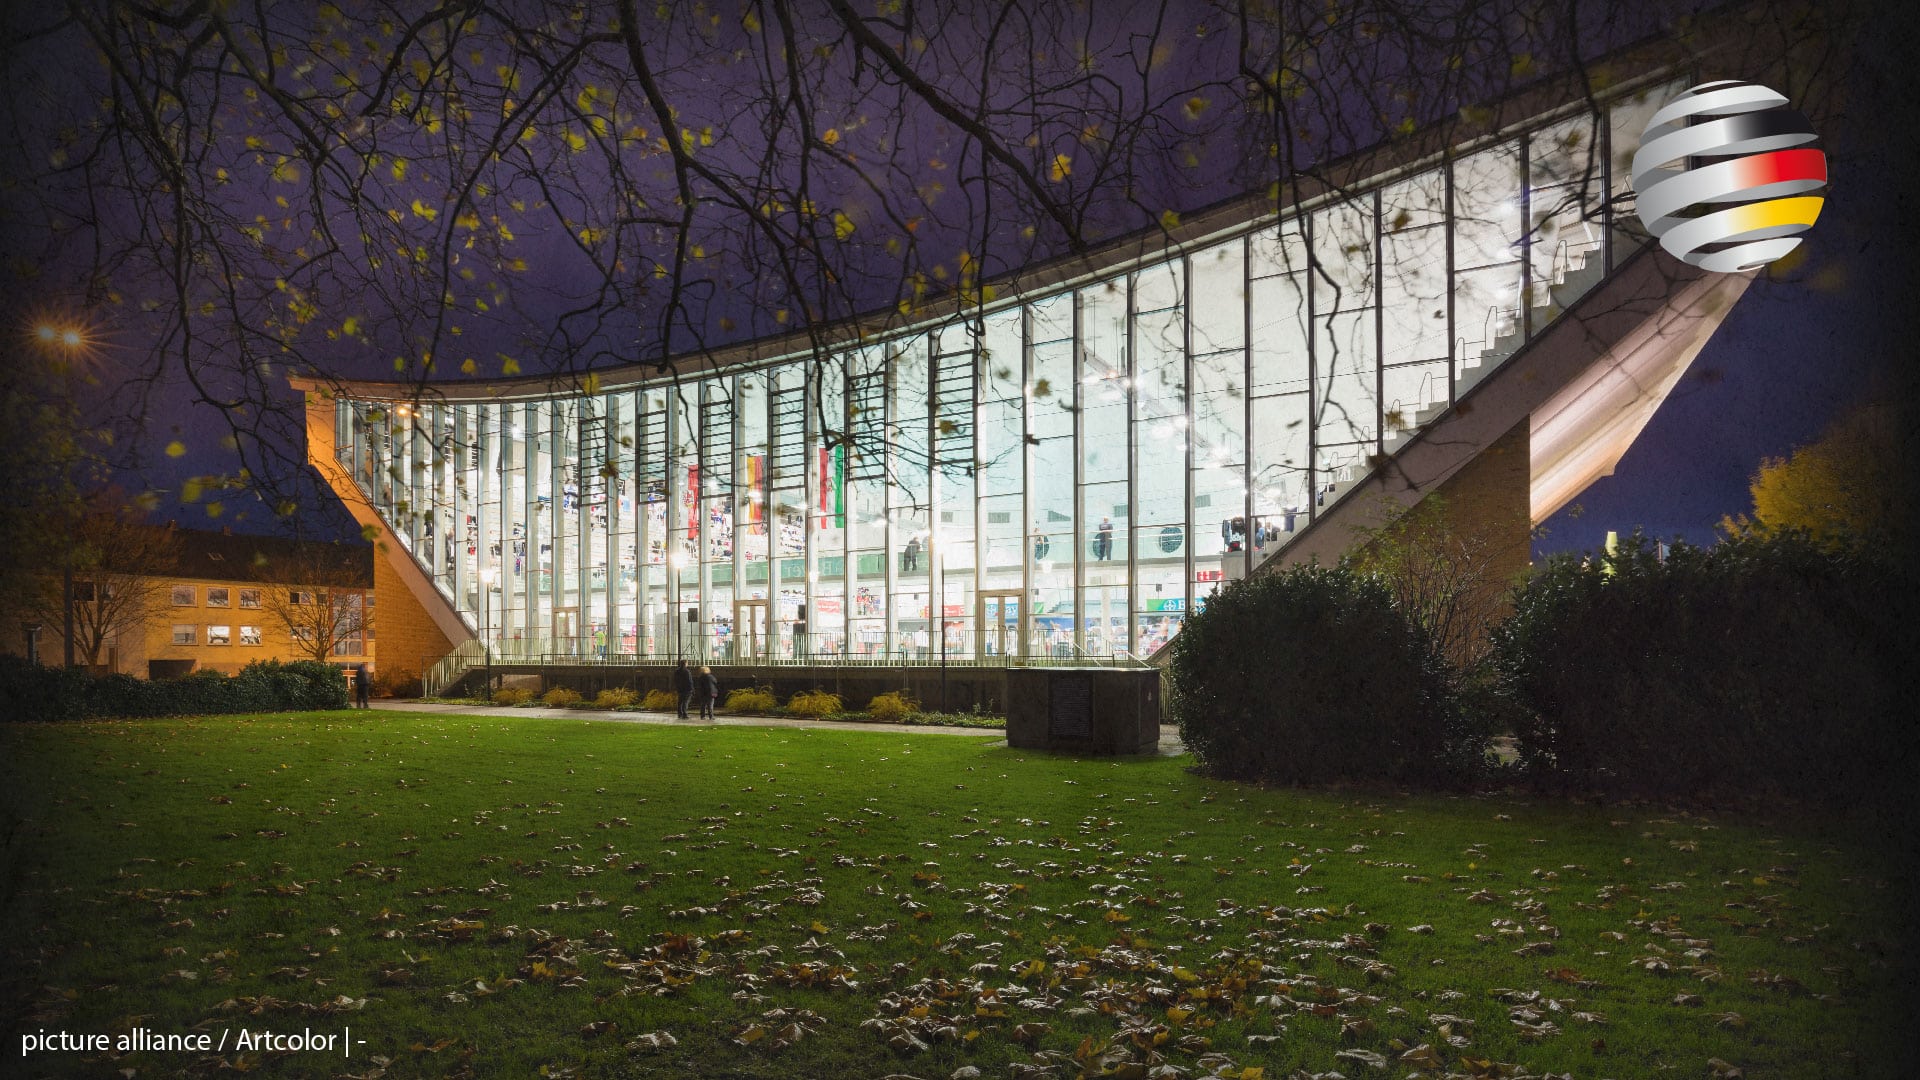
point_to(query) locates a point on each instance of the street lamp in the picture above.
(75, 340)
(486, 621)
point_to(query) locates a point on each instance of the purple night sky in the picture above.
(1798, 349)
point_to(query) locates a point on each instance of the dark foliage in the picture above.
(398, 683)
(1763, 666)
(1313, 675)
(50, 693)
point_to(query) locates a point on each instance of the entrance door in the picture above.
(750, 630)
(566, 631)
(1002, 624)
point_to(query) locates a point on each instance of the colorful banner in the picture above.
(833, 486)
(690, 502)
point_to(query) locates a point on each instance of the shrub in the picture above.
(893, 707)
(660, 700)
(752, 699)
(399, 682)
(561, 697)
(814, 703)
(49, 693)
(512, 695)
(984, 721)
(1313, 675)
(615, 699)
(1764, 665)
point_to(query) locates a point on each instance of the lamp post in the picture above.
(486, 621)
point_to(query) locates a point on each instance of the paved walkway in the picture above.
(1169, 736)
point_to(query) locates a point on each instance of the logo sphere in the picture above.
(1747, 179)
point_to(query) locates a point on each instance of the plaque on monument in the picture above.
(1070, 706)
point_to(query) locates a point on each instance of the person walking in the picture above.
(683, 686)
(708, 690)
(362, 690)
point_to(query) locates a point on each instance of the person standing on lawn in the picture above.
(362, 688)
(708, 691)
(683, 686)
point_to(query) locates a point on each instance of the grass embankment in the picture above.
(497, 896)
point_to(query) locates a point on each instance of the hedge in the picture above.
(33, 692)
(1763, 666)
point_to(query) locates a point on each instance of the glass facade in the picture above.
(1060, 475)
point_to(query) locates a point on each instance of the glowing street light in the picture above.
(56, 335)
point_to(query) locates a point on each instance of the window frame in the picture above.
(249, 599)
(253, 639)
(192, 630)
(192, 596)
(220, 633)
(220, 596)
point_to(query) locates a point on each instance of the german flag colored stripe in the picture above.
(1781, 166)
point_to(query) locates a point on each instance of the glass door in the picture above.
(1002, 624)
(750, 631)
(566, 631)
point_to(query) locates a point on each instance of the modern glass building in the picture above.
(1066, 472)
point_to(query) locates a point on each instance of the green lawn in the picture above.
(513, 896)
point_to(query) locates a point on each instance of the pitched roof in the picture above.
(266, 559)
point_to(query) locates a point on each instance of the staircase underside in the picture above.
(1586, 387)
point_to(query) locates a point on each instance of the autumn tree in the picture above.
(309, 601)
(1851, 485)
(1450, 575)
(53, 455)
(118, 567)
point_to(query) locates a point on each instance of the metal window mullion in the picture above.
(582, 528)
(889, 464)
(1313, 371)
(1029, 509)
(1605, 143)
(1076, 367)
(703, 542)
(812, 401)
(936, 544)
(556, 523)
(738, 498)
(1526, 236)
(1246, 400)
(610, 499)
(1454, 358)
(1187, 435)
(976, 363)
(769, 518)
(1378, 271)
(849, 568)
(481, 519)
(670, 451)
(1133, 462)
(459, 495)
(638, 408)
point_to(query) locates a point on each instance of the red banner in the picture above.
(691, 502)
